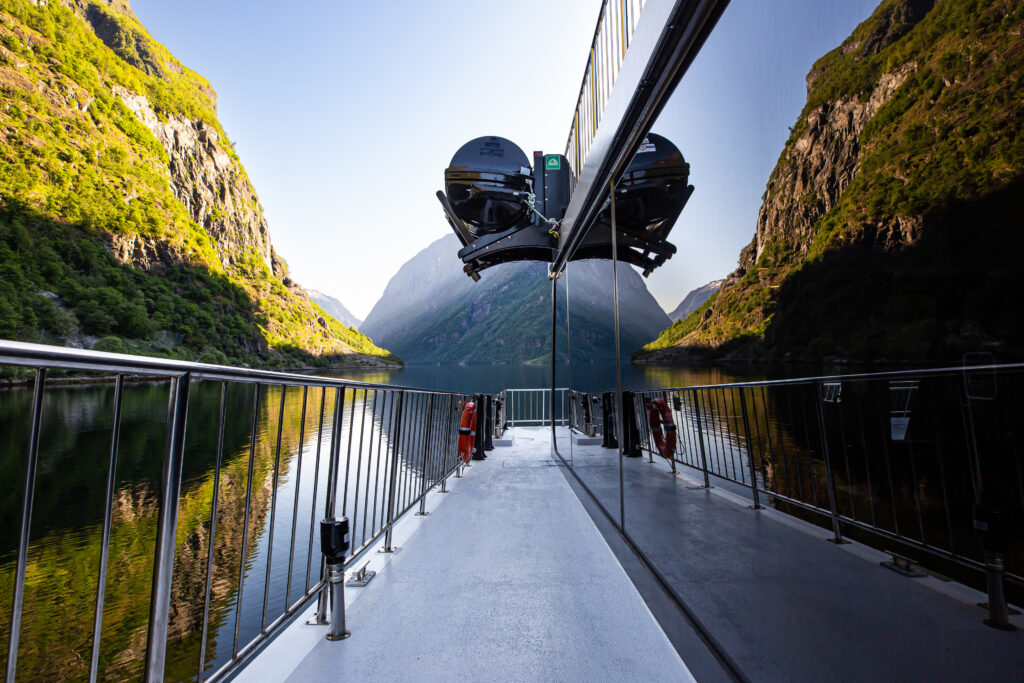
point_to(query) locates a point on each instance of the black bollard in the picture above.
(481, 427)
(630, 429)
(608, 436)
(489, 421)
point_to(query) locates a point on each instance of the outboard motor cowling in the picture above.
(487, 184)
(653, 189)
(502, 210)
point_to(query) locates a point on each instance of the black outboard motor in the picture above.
(502, 209)
(487, 184)
(654, 188)
(648, 200)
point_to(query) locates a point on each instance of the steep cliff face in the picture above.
(888, 229)
(209, 183)
(118, 177)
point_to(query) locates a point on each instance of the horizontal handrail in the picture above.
(61, 358)
(888, 374)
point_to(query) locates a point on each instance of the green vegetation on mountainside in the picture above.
(916, 258)
(88, 211)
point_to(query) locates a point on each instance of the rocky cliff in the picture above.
(126, 214)
(890, 227)
(431, 312)
(694, 300)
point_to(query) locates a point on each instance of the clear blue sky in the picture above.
(346, 114)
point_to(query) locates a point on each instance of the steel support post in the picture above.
(26, 523)
(700, 439)
(838, 536)
(750, 451)
(167, 527)
(331, 495)
(393, 479)
(336, 584)
(998, 611)
(426, 452)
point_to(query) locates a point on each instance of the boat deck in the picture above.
(506, 579)
(785, 603)
(510, 578)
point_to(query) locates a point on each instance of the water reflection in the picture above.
(67, 521)
(835, 447)
(285, 487)
(586, 377)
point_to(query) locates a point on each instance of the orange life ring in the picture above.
(467, 431)
(659, 414)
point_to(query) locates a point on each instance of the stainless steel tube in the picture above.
(336, 584)
(101, 583)
(26, 523)
(213, 529)
(167, 527)
(828, 467)
(750, 450)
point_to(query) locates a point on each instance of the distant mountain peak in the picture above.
(335, 308)
(433, 313)
(692, 301)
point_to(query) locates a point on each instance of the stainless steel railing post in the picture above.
(446, 443)
(167, 527)
(838, 536)
(750, 450)
(331, 495)
(336, 583)
(26, 523)
(998, 612)
(101, 583)
(211, 542)
(426, 453)
(393, 479)
(700, 439)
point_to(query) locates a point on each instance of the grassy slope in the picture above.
(947, 148)
(76, 167)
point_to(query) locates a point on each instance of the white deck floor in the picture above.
(507, 579)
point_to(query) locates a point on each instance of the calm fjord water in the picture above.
(68, 512)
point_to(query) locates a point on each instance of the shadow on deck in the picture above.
(784, 603)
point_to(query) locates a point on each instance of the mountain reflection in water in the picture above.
(67, 516)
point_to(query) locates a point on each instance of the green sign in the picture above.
(552, 163)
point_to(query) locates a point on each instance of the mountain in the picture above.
(335, 308)
(692, 301)
(127, 221)
(891, 225)
(432, 312)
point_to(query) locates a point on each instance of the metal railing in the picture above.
(895, 458)
(634, 65)
(586, 413)
(615, 25)
(238, 497)
(532, 407)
